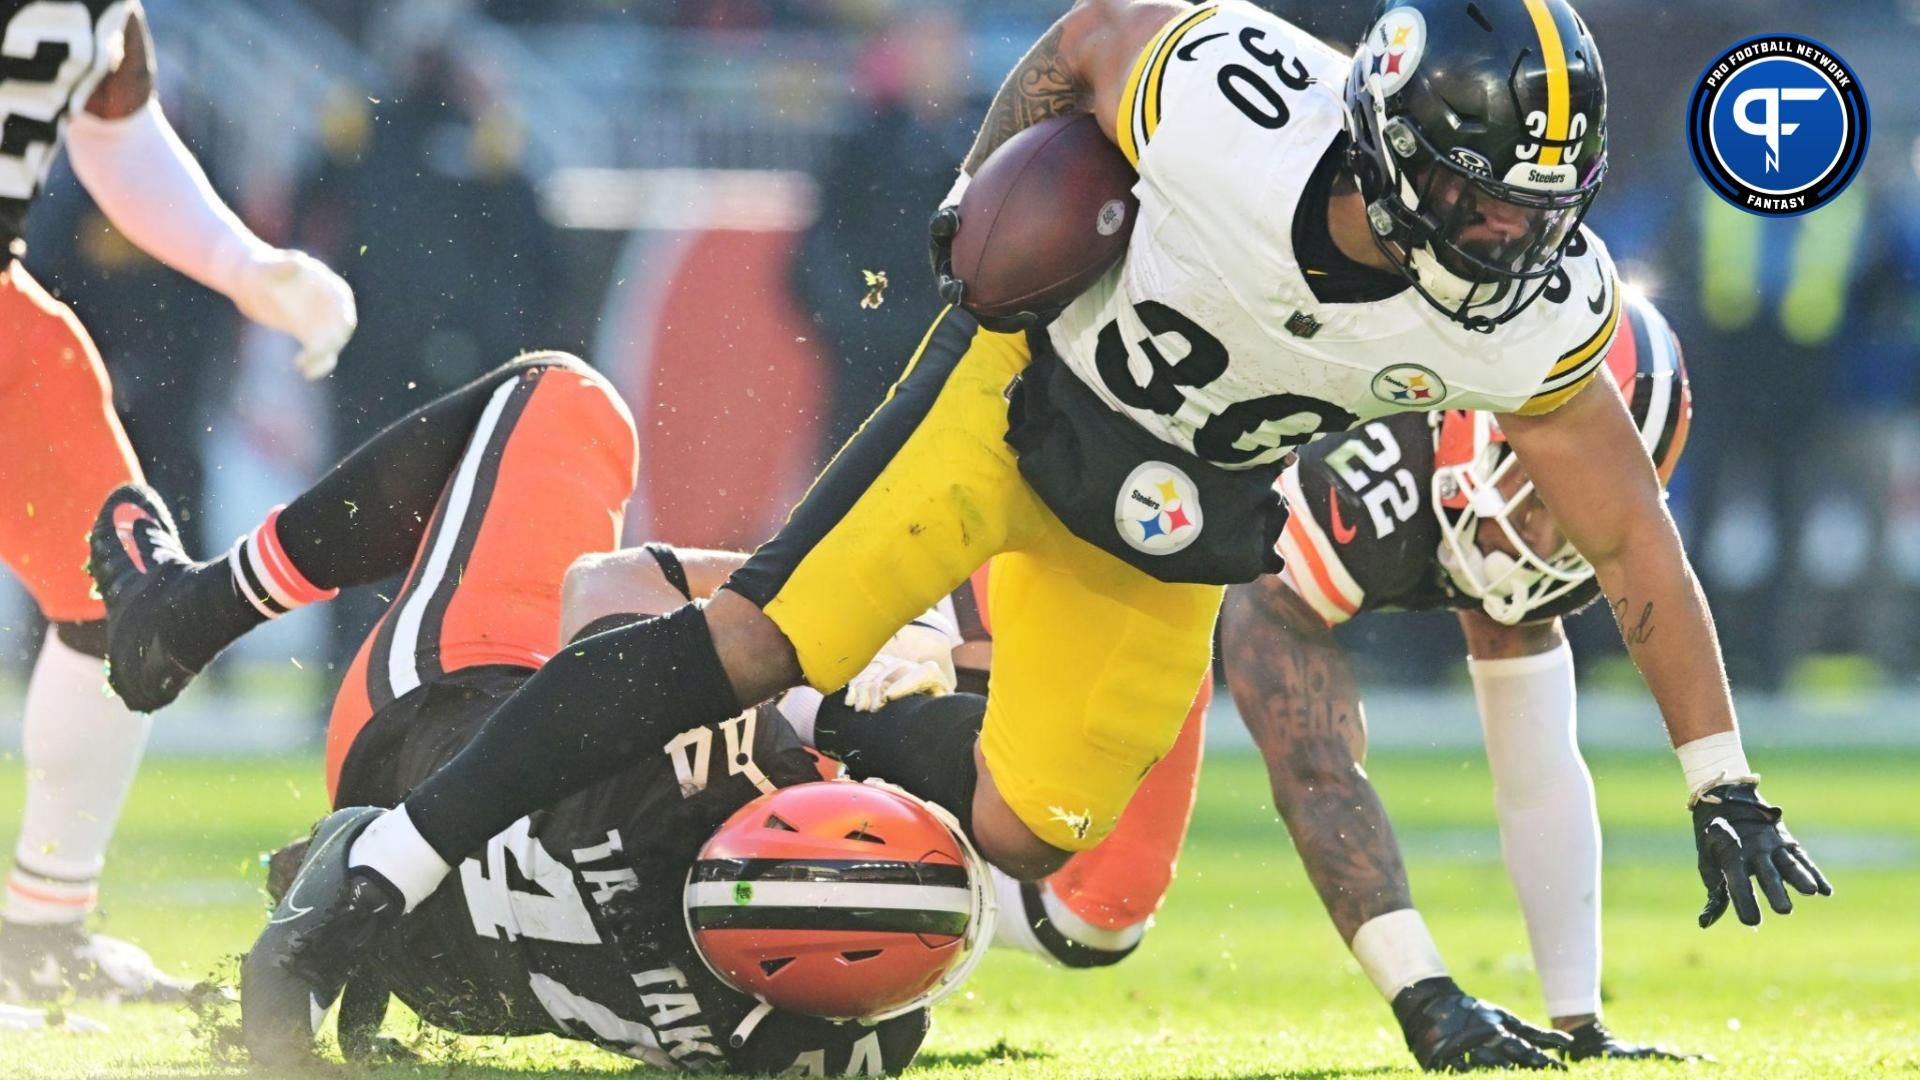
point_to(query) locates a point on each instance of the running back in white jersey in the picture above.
(53, 53)
(1207, 334)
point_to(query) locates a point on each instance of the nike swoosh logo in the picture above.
(1185, 52)
(294, 910)
(1342, 532)
(1597, 302)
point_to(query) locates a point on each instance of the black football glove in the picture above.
(1449, 1030)
(941, 229)
(1738, 835)
(1591, 1040)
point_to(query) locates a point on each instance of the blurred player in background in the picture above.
(1433, 511)
(84, 71)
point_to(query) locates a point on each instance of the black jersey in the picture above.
(1364, 535)
(55, 54)
(570, 921)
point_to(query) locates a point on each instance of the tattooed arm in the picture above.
(1297, 694)
(1080, 64)
(1587, 461)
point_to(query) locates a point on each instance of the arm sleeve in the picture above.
(148, 184)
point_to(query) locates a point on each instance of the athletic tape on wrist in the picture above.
(1396, 951)
(1713, 760)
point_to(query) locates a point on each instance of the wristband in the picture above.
(1713, 760)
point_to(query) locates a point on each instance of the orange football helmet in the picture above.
(840, 899)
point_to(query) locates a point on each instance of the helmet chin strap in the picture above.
(1500, 582)
(1446, 286)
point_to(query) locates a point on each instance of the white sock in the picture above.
(394, 849)
(1549, 825)
(800, 707)
(82, 748)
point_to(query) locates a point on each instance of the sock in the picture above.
(594, 709)
(265, 577)
(392, 848)
(82, 748)
(218, 601)
(1549, 824)
(924, 744)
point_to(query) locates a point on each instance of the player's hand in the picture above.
(1449, 1030)
(295, 293)
(917, 660)
(1739, 836)
(941, 229)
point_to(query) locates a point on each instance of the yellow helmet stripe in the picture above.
(1558, 96)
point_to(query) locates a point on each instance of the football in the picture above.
(1046, 215)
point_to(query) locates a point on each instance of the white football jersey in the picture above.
(53, 54)
(1207, 334)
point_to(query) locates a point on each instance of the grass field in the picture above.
(1242, 977)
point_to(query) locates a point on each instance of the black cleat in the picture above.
(301, 960)
(47, 963)
(138, 565)
(1591, 1040)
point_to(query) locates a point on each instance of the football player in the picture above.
(596, 917)
(1418, 512)
(82, 72)
(1322, 240)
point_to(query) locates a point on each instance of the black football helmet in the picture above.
(1478, 138)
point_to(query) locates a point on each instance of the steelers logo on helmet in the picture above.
(1394, 47)
(1778, 125)
(1158, 509)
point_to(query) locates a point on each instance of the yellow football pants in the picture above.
(1094, 663)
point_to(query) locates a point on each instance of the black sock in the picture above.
(923, 744)
(362, 521)
(596, 708)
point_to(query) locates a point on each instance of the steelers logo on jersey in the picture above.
(1158, 510)
(1394, 47)
(1410, 386)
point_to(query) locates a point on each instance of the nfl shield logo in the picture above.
(1303, 325)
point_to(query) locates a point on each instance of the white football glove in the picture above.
(917, 660)
(295, 293)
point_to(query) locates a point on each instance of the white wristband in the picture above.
(957, 191)
(1396, 951)
(1713, 760)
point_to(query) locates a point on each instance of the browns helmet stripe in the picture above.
(829, 871)
(807, 917)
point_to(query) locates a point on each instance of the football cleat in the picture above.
(46, 963)
(301, 960)
(136, 562)
(1591, 1040)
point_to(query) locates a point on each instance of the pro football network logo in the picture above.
(1778, 125)
(1158, 510)
(1410, 386)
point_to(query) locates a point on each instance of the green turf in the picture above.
(1243, 976)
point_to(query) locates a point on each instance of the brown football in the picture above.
(1049, 212)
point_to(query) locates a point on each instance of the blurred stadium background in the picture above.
(686, 194)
